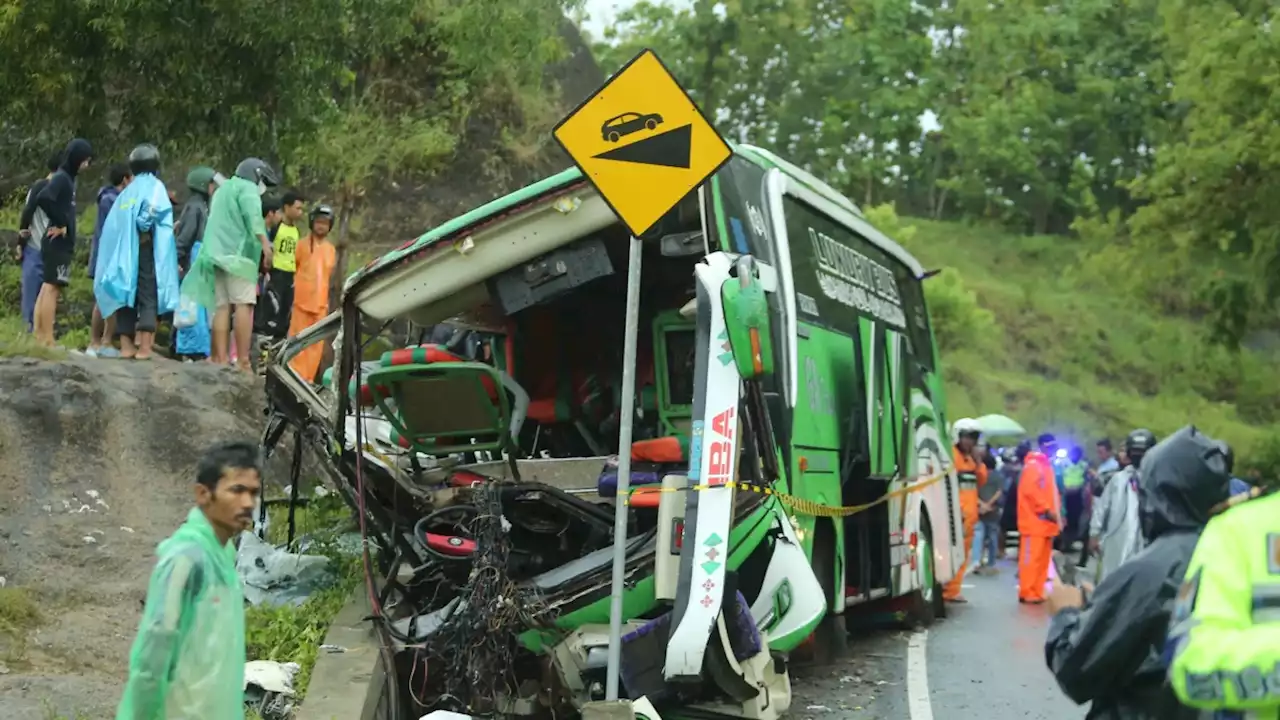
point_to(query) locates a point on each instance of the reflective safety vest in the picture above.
(1073, 475)
(1224, 636)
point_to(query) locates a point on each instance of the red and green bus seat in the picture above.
(438, 404)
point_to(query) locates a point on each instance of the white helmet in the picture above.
(965, 426)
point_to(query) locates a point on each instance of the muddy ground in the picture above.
(97, 460)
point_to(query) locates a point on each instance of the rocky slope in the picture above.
(98, 463)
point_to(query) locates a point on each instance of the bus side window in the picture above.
(919, 339)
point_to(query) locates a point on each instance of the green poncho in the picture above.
(187, 662)
(231, 240)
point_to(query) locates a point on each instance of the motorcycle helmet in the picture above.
(322, 211)
(144, 159)
(257, 171)
(1137, 443)
(966, 427)
(199, 178)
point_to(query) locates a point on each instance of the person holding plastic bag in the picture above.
(136, 277)
(224, 279)
(192, 339)
(188, 658)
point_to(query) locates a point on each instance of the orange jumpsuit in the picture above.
(316, 258)
(971, 474)
(1039, 510)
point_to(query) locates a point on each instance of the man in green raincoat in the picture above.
(187, 662)
(224, 278)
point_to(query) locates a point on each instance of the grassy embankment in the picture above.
(1027, 329)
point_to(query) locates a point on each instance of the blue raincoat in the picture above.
(143, 206)
(194, 340)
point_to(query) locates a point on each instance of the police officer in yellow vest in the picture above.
(1224, 634)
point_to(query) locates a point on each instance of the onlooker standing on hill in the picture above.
(193, 343)
(271, 220)
(58, 200)
(189, 229)
(31, 229)
(103, 329)
(138, 277)
(271, 317)
(316, 259)
(224, 277)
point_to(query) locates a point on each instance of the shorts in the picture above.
(56, 253)
(231, 289)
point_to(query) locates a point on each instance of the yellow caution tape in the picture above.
(799, 504)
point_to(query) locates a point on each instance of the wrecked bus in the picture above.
(479, 447)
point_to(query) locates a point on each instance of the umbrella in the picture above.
(1000, 426)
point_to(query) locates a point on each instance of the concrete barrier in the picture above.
(348, 685)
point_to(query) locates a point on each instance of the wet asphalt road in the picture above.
(986, 660)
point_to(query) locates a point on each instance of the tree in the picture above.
(1214, 187)
(1041, 102)
(834, 85)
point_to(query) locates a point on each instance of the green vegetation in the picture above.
(294, 634)
(1142, 124)
(19, 614)
(1024, 330)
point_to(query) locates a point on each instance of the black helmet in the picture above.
(257, 171)
(1138, 443)
(322, 211)
(144, 159)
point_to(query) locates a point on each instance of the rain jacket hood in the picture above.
(188, 659)
(1110, 652)
(1183, 478)
(77, 152)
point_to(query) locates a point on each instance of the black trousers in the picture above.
(275, 306)
(144, 315)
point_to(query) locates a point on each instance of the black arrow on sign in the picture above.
(668, 149)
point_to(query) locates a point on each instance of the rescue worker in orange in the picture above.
(1039, 521)
(316, 258)
(972, 473)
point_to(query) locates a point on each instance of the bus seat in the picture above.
(670, 449)
(642, 474)
(429, 395)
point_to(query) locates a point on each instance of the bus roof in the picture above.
(573, 176)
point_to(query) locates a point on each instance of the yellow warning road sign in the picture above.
(642, 142)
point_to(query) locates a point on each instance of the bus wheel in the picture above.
(926, 603)
(830, 638)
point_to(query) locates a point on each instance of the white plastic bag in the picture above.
(187, 314)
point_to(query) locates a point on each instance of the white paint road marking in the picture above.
(918, 705)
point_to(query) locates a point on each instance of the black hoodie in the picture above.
(1109, 652)
(58, 197)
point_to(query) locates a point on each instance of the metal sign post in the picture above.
(631, 329)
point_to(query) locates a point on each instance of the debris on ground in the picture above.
(274, 576)
(268, 688)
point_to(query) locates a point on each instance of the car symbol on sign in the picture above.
(614, 129)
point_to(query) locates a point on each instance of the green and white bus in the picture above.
(830, 395)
